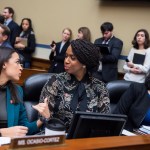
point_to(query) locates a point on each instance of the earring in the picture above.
(84, 66)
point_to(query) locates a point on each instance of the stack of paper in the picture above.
(5, 140)
(145, 129)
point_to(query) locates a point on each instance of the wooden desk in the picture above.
(102, 143)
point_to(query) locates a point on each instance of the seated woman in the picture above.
(135, 103)
(84, 33)
(25, 43)
(57, 54)
(138, 62)
(76, 89)
(13, 118)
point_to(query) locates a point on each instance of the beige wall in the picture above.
(51, 16)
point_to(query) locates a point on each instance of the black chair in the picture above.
(32, 88)
(116, 89)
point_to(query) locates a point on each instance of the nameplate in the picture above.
(32, 141)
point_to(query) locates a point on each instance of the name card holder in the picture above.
(32, 141)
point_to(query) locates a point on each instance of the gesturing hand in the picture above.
(43, 109)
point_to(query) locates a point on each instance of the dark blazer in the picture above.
(6, 44)
(30, 48)
(110, 62)
(134, 103)
(14, 32)
(17, 114)
(58, 59)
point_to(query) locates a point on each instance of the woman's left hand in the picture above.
(130, 64)
(19, 45)
(43, 109)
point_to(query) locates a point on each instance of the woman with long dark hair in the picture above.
(138, 62)
(13, 118)
(25, 43)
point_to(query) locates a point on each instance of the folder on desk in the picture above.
(104, 48)
(138, 58)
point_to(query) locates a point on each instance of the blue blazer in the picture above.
(6, 44)
(16, 113)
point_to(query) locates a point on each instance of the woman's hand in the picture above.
(53, 48)
(15, 131)
(130, 64)
(43, 109)
(19, 45)
(135, 70)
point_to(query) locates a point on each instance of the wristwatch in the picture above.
(44, 120)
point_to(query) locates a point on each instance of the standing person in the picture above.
(76, 89)
(57, 54)
(137, 68)
(8, 14)
(108, 69)
(25, 44)
(84, 33)
(13, 118)
(2, 19)
(135, 103)
(4, 36)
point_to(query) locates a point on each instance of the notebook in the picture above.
(22, 40)
(138, 58)
(104, 48)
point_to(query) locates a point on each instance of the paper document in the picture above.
(128, 133)
(5, 140)
(146, 127)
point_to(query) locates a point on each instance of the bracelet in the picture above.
(44, 120)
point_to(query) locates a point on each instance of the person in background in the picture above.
(2, 19)
(136, 70)
(76, 89)
(84, 33)
(108, 69)
(13, 118)
(4, 36)
(8, 14)
(58, 51)
(135, 103)
(25, 44)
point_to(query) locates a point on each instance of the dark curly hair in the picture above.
(87, 53)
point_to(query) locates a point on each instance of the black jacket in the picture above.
(134, 103)
(58, 58)
(30, 48)
(110, 62)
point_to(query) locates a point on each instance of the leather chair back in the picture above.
(116, 89)
(32, 88)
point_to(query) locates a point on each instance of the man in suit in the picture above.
(4, 35)
(108, 70)
(8, 14)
